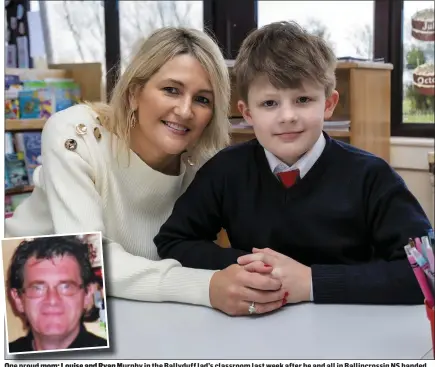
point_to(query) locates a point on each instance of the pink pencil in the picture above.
(428, 252)
(418, 245)
(421, 278)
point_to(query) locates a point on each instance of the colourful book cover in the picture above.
(15, 170)
(30, 144)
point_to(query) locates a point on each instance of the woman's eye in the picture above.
(269, 103)
(203, 100)
(171, 90)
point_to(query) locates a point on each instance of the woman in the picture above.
(119, 168)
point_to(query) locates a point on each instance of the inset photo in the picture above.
(55, 293)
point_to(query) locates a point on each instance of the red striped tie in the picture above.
(289, 178)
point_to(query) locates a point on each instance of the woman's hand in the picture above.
(233, 289)
(295, 277)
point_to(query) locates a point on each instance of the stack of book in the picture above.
(22, 156)
(336, 126)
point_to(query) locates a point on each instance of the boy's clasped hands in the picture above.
(262, 281)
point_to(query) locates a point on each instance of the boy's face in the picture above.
(287, 122)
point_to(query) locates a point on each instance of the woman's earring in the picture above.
(190, 162)
(132, 119)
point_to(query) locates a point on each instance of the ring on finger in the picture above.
(252, 308)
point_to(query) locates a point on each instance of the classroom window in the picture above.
(347, 25)
(74, 31)
(418, 63)
(139, 18)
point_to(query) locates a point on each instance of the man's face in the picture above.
(54, 312)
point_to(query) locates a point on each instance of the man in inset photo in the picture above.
(49, 283)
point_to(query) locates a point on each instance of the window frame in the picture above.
(112, 38)
(388, 44)
(229, 22)
(388, 31)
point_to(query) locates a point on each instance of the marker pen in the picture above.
(411, 242)
(423, 264)
(417, 242)
(421, 279)
(431, 236)
(429, 252)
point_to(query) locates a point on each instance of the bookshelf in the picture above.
(19, 190)
(24, 124)
(87, 75)
(241, 134)
(365, 95)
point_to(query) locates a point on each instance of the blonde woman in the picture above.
(119, 168)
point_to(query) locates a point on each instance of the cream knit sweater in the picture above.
(91, 189)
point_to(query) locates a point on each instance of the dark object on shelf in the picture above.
(356, 59)
(17, 34)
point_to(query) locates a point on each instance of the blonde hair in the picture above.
(162, 46)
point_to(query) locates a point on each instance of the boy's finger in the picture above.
(258, 267)
(266, 251)
(264, 282)
(246, 259)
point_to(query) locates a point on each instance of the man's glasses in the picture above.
(38, 290)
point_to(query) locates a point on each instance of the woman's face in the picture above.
(174, 107)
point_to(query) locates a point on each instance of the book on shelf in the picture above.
(36, 99)
(22, 156)
(239, 123)
(359, 60)
(342, 125)
(12, 201)
(15, 171)
(29, 143)
(336, 125)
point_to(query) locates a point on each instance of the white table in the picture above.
(140, 330)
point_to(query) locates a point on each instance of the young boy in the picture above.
(331, 219)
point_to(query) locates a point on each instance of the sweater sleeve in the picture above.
(189, 233)
(392, 215)
(76, 206)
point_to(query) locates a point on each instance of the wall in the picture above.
(409, 157)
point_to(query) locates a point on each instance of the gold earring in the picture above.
(132, 118)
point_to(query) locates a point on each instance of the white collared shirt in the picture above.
(304, 164)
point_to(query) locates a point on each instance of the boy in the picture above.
(329, 218)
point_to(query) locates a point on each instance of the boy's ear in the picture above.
(330, 104)
(244, 110)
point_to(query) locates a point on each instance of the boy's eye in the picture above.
(269, 103)
(202, 100)
(303, 100)
(171, 90)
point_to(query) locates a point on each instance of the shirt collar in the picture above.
(82, 333)
(304, 164)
